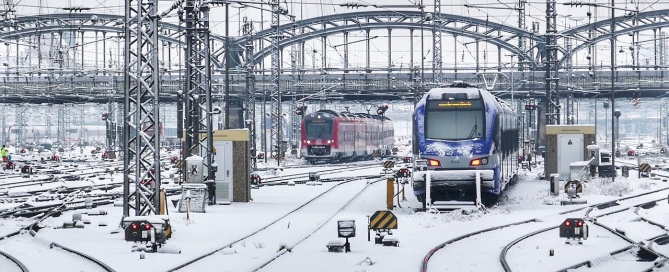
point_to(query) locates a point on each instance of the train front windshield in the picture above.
(454, 120)
(319, 129)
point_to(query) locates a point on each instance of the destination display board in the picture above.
(454, 104)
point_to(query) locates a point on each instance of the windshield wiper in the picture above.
(471, 134)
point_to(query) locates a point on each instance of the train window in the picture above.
(497, 133)
(455, 125)
(320, 130)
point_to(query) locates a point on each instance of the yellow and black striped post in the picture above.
(381, 220)
(390, 192)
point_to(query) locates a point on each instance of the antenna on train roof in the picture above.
(460, 84)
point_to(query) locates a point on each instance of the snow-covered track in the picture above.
(424, 264)
(35, 244)
(284, 251)
(102, 265)
(292, 166)
(503, 254)
(304, 177)
(589, 263)
(304, 218)
(426, 259)
(11, 258)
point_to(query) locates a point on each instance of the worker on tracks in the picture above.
(3, 152)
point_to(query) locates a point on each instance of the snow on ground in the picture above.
(532, 254)
(418, 232)
(36, 255)
(8, 266)
(630, 224)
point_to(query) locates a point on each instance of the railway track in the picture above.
(26, 245)
(595, 224)
(293, 227)
(523, 226)
(304, 177)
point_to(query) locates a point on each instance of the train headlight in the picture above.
(329, 141)
(478, 162)
(308, 142)
(431, 162)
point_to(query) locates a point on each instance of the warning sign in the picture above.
(383, 220)
(644, 167)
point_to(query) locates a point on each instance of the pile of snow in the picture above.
(602, 186)
(428, 220)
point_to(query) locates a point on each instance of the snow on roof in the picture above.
(437, 93)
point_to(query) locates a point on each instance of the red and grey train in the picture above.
(331, 136)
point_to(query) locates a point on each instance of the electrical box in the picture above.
(574, 228)
(224, 173)
(593, 152)
(555, 184)
(604, 157)
(606, 171)
(194, 169)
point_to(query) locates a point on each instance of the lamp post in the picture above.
(659, 122)
(616, 140)
(606, 123)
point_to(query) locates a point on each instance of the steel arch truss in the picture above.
(27, 26)
(453, 24)
(624, 25)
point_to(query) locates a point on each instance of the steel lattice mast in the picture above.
(552, 66)
(294, 118)
(521, 37)
(275, 96)
(141, 150)
(569, 111)
(198, 105)
(250, 89)
(436, 32)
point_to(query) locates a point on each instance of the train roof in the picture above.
(354, 114)
(460, 90)
(454, 91)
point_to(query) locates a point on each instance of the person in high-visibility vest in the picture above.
(3, 151)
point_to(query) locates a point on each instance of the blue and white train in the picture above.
(459, 131)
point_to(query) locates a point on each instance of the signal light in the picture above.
(147, 226)
(134, 226)
(382, 109)
(433, 163)
(567, 223)
(301, 110)
(580, 223)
